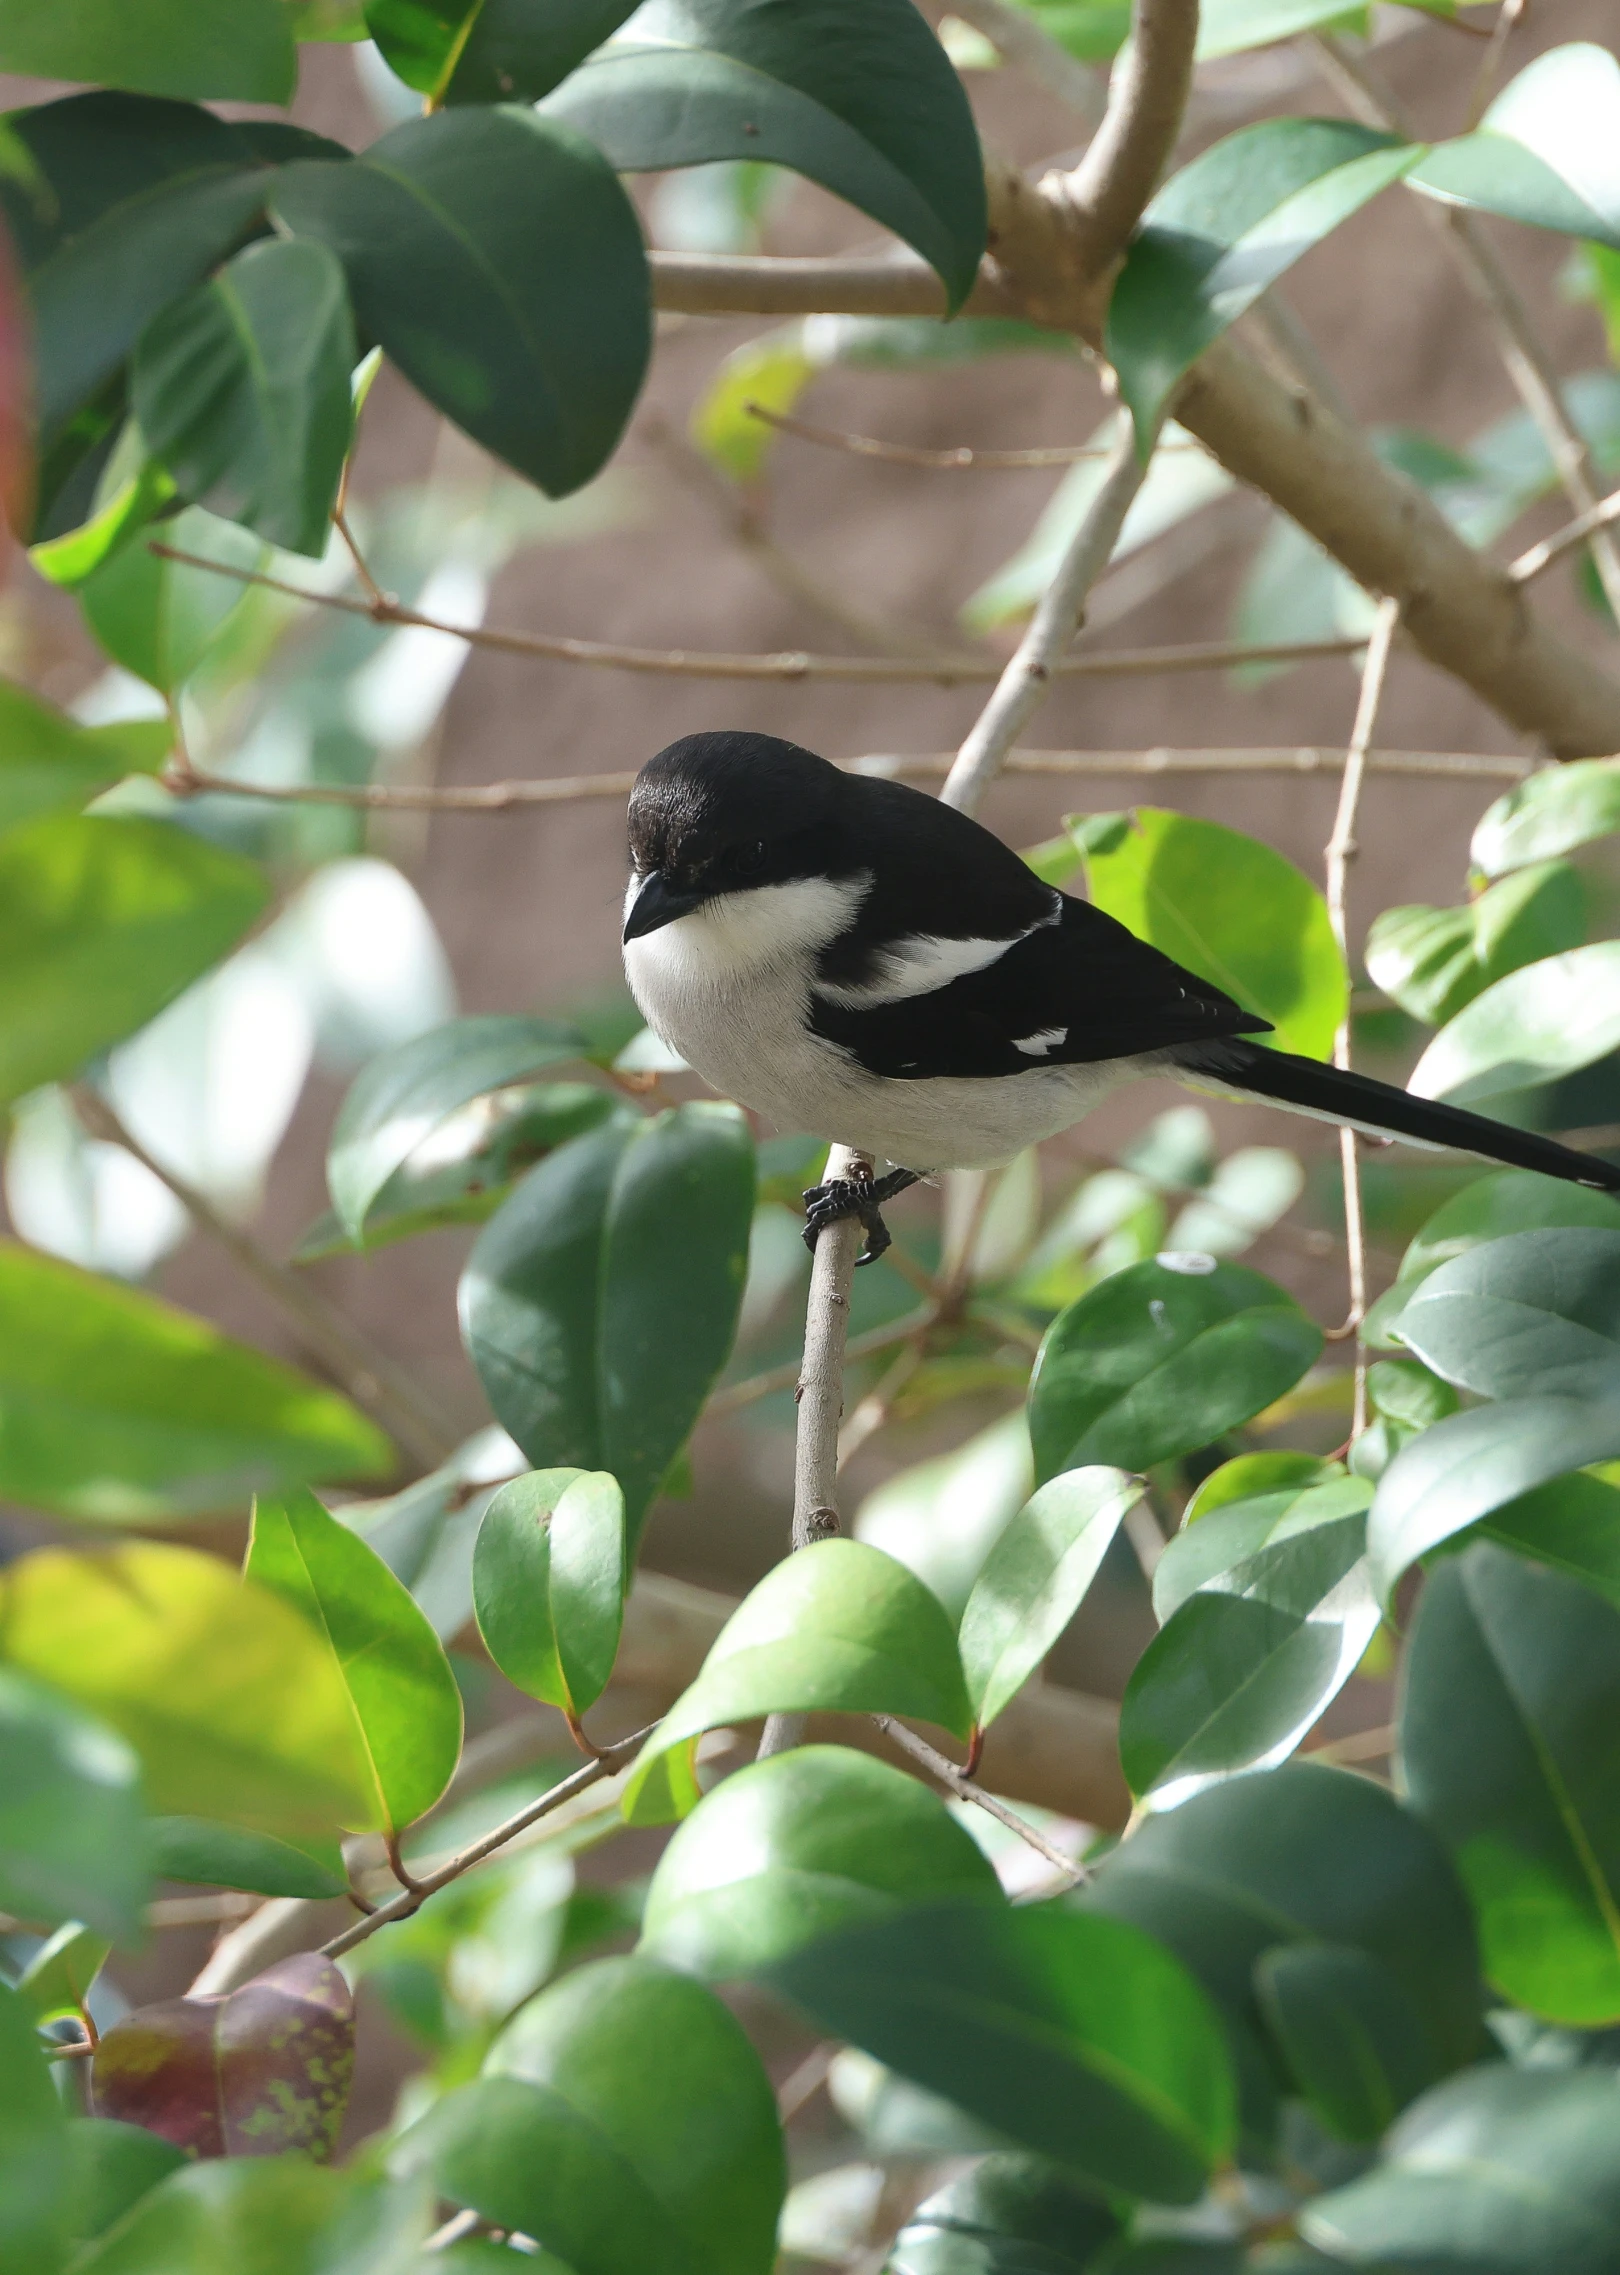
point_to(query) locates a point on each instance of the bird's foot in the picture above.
(861, 1197)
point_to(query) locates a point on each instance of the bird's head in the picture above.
(726, 813)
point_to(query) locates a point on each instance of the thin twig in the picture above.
(965, 458)
(1340, 851)
(369, 1375)
(368, 583)
(1530, 564)
(1508, 18)
(1024, 683)
(409, 1900)
(458, 2225)
(966, 1790)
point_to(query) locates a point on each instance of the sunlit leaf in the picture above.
(1544, 152)
(1535, 1314)
(57, 1980)
(48, 761)
(1434, 960)
(1220, 1534)
(1549, 813)
(549, 1579)
(1034, 1580)
(1538, 1023)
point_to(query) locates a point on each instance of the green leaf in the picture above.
(839, 1628)
(941, 1518)
(549, 1579)
(34, 2210)
(1353, 2043)
(1434, 960)
(255, 2215)
(1006, 2215)
(1034, 1580)
(490, 51)
(1510, 1705)
(628, 2126)
(1511, 2172)
(1232, 27)
(48, 761)
(600, 1304)
(241, 50)
(159, 618)
(855, 94)
(1073, 2035)
(1547, 814)
(111, 2166)
(1545, 150)
(242, 391)
(1233, 911)
(1160, 1360)
(1215, 1539)
(227, 1856)
(229, 1699)
(73, 1838)
(796, 1846)
(495, 257)
(132, 490)
(1222, 230)
(1245, 1666)
(57, 1980)
(116, 1409)
(1508, 1200)
(403, 1097)
(1572, 1524)
(401, 1692)
(1531, 1027)
(1535, 1314)
(103, 921)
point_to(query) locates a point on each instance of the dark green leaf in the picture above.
(796, 1846)
(1499, 2172)
(102, 923)
(117, 1409)
(1073, 2035)
(1573, 1524)
(1544, 1021)
(1434, 960)
(490, 51)
(230, 1701)
(1214, 1539)
(1544, 151)
(242, 391)
(110, 2168)
(1230, 909)
(629, 2126)
(227, 1856)
(254, 2215)
(241, 49)
(1222, 230)
(839, 1628)
(1246, 1665)
(1034, 1579)
(1007, 2215)
(1160, 1360)
(1549, 813)
(855, 94)
(402, 1098)
(263, 2070)
(159, 618)
(1351, 2039)
(48, 761)
(57, 1980)
(1535, 1314)
(406, 1706)
(34, 2211)
(1509, 1200)
(549, 1578)
(73, 1840)
(497, 260)
(599, 1305)
(1508, 1723)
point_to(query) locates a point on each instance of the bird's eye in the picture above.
(748, 859)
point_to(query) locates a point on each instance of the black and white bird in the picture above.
(855, 960)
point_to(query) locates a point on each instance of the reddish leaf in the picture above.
(259, 2071)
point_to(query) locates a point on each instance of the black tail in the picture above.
(1333, 1095)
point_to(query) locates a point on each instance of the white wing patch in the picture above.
(917, 965)
(1037, 1046)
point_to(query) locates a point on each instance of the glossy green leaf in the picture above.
(270, 2215)
(1222, 230)
(228, 1856)
(227, 1696)
(1248, 1476)
(796, 1846)
(855, 94)
(48, 761)
(1244, 1667)
(1508, 1720)
(117, 1409)
(1547, 814)
(1232, 910)
(628, 2126)
(549, 1579)
(159, 618)
(1545, 150)
(490, 51)
(132, 491)
(403, 1696)
(34, 2211)
(1161, 1359)
(73, 1838)
(1073, 2035)
(1215, 1539)
(1571, 1524)
(241, 49)
(111, 2166)
(495, 257)
(839, 1628)
(242, 391)
(1531, 1027)
(103, 921)
(600, 1304)
(1434, 960)
(1350, 2038)
(259, 2072)
(403, 1097)
(1535, 1314)
(1510, 2172)
(57, 1980)
(1006, 2215)
(1507, 1200)
(1034, 1579)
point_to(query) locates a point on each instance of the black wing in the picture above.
(1069, 992)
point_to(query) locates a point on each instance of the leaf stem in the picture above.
(941, 1766)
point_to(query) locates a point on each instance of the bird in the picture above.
(856, 960)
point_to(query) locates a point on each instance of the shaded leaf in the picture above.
(795, 1846)
(1537, 1024)
(1544, 152)
(73, 1838)
(256, 2216)
(57, 1980)
(229, 1856)
(549, 1580)
(942, 1518)
(160, 618)
(1536, 1313)
(1034, 1580)
(1007, 2215)
(1573, 1524)
(241, 49)
(490, 51)
(111, 2166)
(1353, 2043)
(33, 2150)
(48, 761)
(1547, 814)
(1434, 960)
(1507, 1200)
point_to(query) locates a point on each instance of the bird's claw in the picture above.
(844, 1197)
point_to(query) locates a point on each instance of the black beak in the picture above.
(657, 904)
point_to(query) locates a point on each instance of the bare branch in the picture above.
(958, 1782)
(1105, 194)
(1530, 564)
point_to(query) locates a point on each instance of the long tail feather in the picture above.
(1332, 1094)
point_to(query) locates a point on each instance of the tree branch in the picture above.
(965, 1788)
(1106, 192)
(1530, 564)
